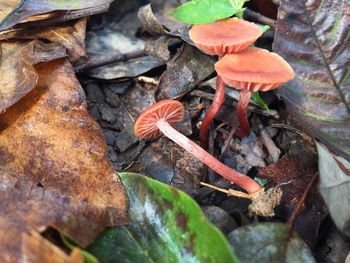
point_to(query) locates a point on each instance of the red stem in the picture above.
(212, 112)
(240, 179)
(242, 113)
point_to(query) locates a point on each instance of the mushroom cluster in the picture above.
(240, 66)
(159, 119)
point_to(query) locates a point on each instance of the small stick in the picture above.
(228, 140)
(249, 14)
(297, 210)
(229, 192)
(109, 60)
(274, 151)
(295, 130)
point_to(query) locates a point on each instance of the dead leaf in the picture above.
(114, 39)
(69, 35)
(252, 149)
(17, 74)
(188, 68)
(6, 7)
(54, 169)
(313, 37)
(37, 10)
(334, 186)
(150, 22)
(36, 249)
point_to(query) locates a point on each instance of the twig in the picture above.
(229, 192)
(297, 210)
(228, 140)
(295, 130)
(249, 14)
(106, 61)
(274, 151)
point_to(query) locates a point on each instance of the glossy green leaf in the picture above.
(88, 258)
(166, 226)
(257, 99)
(268, 242)
(205, 11)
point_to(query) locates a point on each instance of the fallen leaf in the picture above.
(17, 74)
(252, 149)
(54, 170)
(69, 35)
(184, 72)
(150, 22)
(313, 37)
(36, 249)
(334, 186)
(267, 242)
(114, 39)
(166, 226)
(32, 10)
(7, 6)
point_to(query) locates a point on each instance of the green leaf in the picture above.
(257, 99)
(204, 11)
(268, 242)
(166, 225)
(88, 258)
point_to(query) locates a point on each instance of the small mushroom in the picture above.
(220, 38)
(225, 36)
(159, 119)
(253, 69)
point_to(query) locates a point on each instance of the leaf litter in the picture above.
(117, 102)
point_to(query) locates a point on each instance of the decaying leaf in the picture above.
(36, 249)
(17, 74)
(335, 187)
(313, 36)
(69, 35)
(36, 10)
(113, 39)
(267, 242)
(54, 169)
(188, 68)
(7, 6)
(150, 22)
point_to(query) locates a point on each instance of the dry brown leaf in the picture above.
(36, 249)
(19, 13)
(69, 35)
(17, 74)
(6, 7)
(54, 170)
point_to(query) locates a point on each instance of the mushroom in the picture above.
(253, 69)
(159, 119)
(220, 38)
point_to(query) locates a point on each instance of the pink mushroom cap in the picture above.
(225, 36)
(254, 69)
(146, 124)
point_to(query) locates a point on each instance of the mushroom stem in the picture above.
(242, 113)
(212, 112)
(240, 179)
